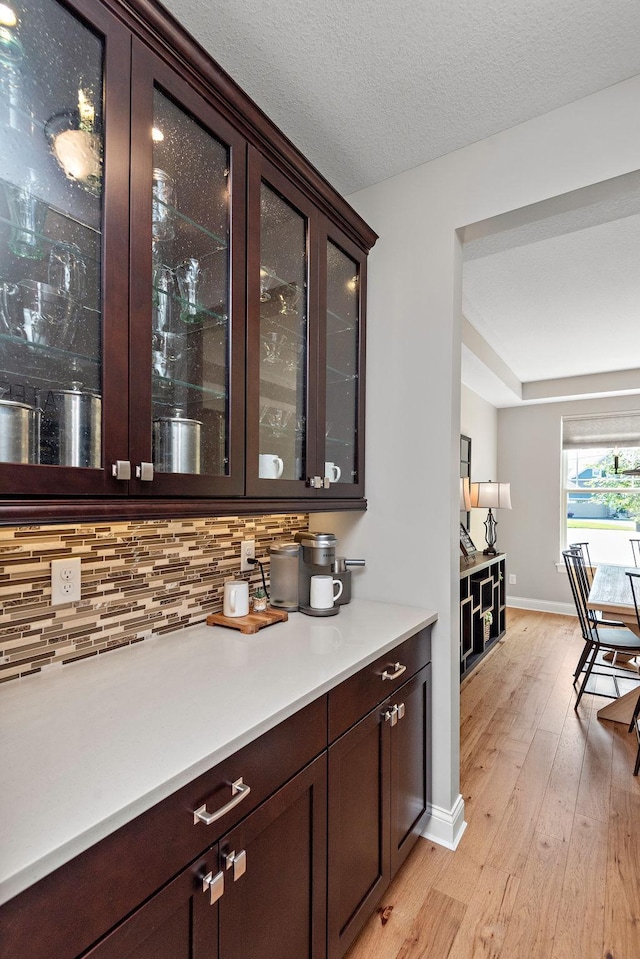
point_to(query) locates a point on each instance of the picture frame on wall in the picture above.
(467, 547)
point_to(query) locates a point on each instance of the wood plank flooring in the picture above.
(549, 865)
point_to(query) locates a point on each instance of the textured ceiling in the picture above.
(368, 89)
(371, 88)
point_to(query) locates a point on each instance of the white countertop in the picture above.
(84, 748)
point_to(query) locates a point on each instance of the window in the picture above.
(602, 485)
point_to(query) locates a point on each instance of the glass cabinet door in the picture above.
(343, 276)
(54, 163)
(281, 354)
(184, 336)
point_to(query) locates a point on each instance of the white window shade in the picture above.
(598, 432)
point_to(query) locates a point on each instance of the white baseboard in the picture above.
(446, 826)
(541, 605)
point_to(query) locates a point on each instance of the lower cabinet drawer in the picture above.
(353, 698)
(78, 903)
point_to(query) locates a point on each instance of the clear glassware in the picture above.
(28, 214)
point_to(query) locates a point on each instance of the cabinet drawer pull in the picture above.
(239, 790)
(398, 670)
(236, 862)
(215, 884)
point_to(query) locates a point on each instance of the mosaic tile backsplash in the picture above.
(137, 579)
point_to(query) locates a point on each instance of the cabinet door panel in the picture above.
(179, 922)
(410, 766)
(276, 908)
(188, 175)
(358, 828)
(283, 332)
(63, 301)
(342, 286)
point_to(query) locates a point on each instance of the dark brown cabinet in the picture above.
(275, 908)
(483, 608)
(179, 922)
(194, 251)
(229, 903)
(288, 868)
(378, 803)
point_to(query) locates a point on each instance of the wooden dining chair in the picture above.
(634, 582)
(583, 550)
(597, 637)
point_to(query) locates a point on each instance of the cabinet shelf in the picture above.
(176, 214)
(339, 324)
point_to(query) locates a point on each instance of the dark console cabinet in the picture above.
(482, 607)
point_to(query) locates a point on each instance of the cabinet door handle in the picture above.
(401, 711)
(237, 863)
(398, 670)
(121, 470)
(391, 715)
(239, 791)
(215, 884)
(144, 472)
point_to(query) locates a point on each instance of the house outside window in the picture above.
(601, 485)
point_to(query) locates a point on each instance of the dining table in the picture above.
(610, 594)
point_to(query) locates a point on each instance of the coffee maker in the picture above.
(316, 557)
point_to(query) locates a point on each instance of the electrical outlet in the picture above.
(512, 579)
(65, 580)
(247, 551)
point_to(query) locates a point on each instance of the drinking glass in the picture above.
(188, 275)
(27, 214)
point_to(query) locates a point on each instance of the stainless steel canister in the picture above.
(72, 429)
(19, 432)
(176, 444)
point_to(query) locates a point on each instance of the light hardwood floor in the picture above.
(549, 864)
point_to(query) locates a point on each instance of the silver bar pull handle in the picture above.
(398, 670)
(239, 791)
(237, 863)
(121, 469)
(401, 711)
(215, 884)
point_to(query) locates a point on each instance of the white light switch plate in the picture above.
(65, 580)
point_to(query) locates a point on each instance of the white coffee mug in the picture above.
(271, 466)
(323, 594)
(332, 471)
(236, 598)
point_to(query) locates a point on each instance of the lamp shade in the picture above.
(465, 498)
(490, 495)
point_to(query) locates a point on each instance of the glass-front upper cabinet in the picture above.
(341, 436)
(282, 335)
(63, 181)
(187, 292)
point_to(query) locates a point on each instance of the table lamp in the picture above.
(490, 496)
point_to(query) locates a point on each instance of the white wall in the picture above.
(529, 444)
(409, 535)
(479, 420)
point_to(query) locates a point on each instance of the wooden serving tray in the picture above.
(250, 623)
